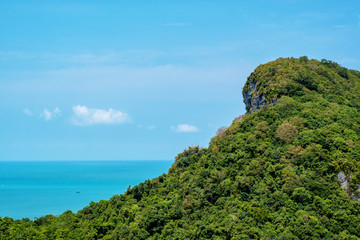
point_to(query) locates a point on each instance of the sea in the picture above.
(32, 189)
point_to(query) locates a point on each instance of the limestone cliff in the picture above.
(252, 98)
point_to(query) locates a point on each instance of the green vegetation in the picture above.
(272, 174)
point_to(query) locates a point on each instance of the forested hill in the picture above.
(273, 174)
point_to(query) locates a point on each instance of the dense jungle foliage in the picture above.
(272, 174)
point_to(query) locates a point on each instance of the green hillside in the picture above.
(288, 169)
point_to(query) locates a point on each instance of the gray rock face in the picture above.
(253, 101)
(344, 183)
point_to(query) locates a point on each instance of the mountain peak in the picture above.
(297, 77)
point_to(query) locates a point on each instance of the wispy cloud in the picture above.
(6, 55)
(88, 58)
(339, 26)
(118, 82)
(131, 56)
(185, 128)
(84, 116)
(124, 77)
(49, 115)
(177, 24)
(27, 111)
(150, 128)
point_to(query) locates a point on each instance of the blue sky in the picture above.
(142, 80)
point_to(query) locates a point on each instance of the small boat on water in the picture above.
(77, 191)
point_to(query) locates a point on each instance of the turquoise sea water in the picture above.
(34, 189)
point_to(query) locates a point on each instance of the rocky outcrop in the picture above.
(252, 99)
(344, 183)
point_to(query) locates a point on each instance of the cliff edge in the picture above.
(297, 77)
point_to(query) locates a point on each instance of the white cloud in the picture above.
(84, 116)
(27, 111)
(185, 128)
(48, 115)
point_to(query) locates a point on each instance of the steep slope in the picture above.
(272, 174)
